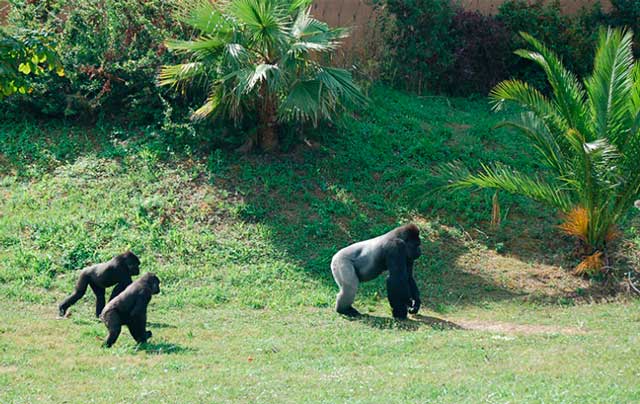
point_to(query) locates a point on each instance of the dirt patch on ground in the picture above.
(510, 328)
(8, 369)
(497, 327)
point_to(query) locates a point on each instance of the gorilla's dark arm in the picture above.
(122, 284)
(140, 307)
(413, 290)
(138, 318)
(398, 288)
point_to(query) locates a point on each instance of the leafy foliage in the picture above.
(481, 52)
(587, 135)
(439, 47)
(25, 53)
(111, 50)
(422, 43)
(261, 55)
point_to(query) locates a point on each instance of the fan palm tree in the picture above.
(261, 55)
(586, 134)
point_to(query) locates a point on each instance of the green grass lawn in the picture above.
(242, 245)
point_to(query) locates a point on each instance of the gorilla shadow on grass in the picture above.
(160, 325)
(412, 323)
(163, 348)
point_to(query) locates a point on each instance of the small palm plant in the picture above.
(261, 56)
(587, 135)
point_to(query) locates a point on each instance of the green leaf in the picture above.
(24, 68)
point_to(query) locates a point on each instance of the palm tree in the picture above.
(586, 134)
(261, 55)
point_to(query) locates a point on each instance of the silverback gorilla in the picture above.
(130, 308)
(117, 271)
(394, 251)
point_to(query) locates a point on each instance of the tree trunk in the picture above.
(267, 125)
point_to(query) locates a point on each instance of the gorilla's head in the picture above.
(152, 282)
(410, 234)
(132, 262)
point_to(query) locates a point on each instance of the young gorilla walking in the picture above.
(394, 251)
(117, 271)
(130, 308)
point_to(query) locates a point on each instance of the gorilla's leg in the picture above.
(114, 325)
(396, 293)
(136, 327)
(345, 276)
(81, 288)
(99, 292)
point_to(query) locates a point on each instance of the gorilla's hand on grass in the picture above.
(414, 306)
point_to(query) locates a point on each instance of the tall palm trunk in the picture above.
(267, 125)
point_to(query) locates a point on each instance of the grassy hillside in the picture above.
(242, 244)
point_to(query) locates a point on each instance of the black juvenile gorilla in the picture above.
(394, 251)
(117, 271)
(130, 308)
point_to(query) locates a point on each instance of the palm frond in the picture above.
(590, 265)
(511, 181)
(236, 55)
(178, 75)
(634, 99)
(210, 105)
(610, 86)
(576, 223)
(341, 85)
(202, 45)
(264, 19)
(298, 5)
(260, 74)
(304, 103)
(307, 29)
(549, 148)
(204, 15)
(523, 95)
(568, 92)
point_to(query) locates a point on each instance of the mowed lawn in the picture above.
(242, 245)
(231, 354)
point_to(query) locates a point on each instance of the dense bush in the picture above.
(423, 46)
(626, 13)
(25, 53)
(480, 53)
(436, 46)
(111, 50)
(572, 37)
(545, 21)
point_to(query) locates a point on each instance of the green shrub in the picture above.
(543, 20)
(626, 13)
(111, 50)
(25, 53)
(481, 53)
(422, 44)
